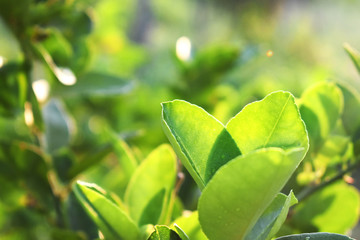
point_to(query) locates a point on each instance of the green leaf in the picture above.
(95, 84)
(58, 47)
(62, 162)
(335, 145)
(201, 142)
(123, 152)
(164, 233)
(350, 116)
(320, 108)
(60, 234)
(273, 217)
(181, 233)
(272, 122)
(315, 236)
(79, 220)
(146, 231)
(178, 206)
(216, 59)
(113, 222)
(333, 153)
(189, 223)
(333, 209)
(10, 48)
(354, 55)
(151, 185)
(57, 131)
(37, 112)
(90, 159)
(14, 129)
(82, 21)
(241, 190)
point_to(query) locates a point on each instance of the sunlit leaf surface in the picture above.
(241, 190)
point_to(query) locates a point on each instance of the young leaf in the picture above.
(151, 185)
(201, 142)
(241, 190)
(333, 209)
(272, 122)
(191, 226)
(273, 217)
(181, 233)
(113, 222)
(164, 233)
(320, 108)
(315, 236)
(354, 55)
(124, 154)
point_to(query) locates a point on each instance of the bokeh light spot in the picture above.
(41, 89)
(183, 48)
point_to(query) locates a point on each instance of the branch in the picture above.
(311, 190)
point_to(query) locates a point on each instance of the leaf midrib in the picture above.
(275, 125)
(187, 155)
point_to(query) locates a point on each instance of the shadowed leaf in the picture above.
(201, 142)
(113, 222)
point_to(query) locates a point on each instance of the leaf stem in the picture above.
(311, 190)
(180, 179)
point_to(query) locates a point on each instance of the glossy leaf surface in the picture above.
(272, 122)
(273, 217)
(241, 191)
(315, 236)
(151, 185)
(181, 233)
(113, 222)
(201, 142)
(164, 233)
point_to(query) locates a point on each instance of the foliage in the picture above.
(81, 84)
(240, 186)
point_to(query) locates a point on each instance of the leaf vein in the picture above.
(277, 122)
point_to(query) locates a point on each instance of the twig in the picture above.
(311, 190)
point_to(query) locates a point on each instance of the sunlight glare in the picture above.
(28, 114)
(65, 76)
(183, 48)
(2, 61)
(41, 89)
(101, 235)
(269, 53)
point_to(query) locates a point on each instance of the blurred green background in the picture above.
(82, 80)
